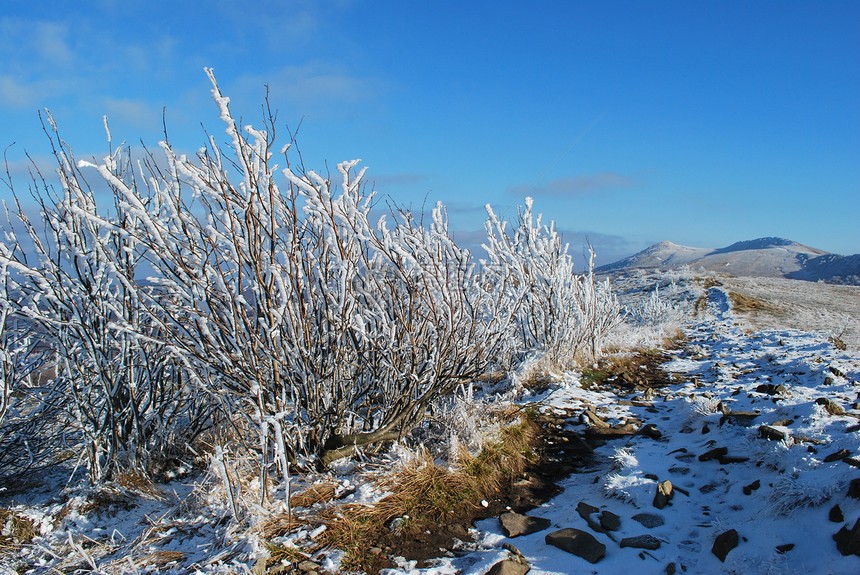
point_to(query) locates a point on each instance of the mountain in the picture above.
(763, 257)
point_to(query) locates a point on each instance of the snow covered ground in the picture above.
(777, 486)
(778, 495)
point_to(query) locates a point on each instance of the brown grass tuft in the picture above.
(318, 493)
(748, 304)
(425, 496)
(15, 530)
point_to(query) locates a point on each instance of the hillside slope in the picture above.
(763, 257)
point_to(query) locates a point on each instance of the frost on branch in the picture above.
(559, 314)
(221, 287)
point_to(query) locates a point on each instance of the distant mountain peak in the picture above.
(759, 244)
(762, 257)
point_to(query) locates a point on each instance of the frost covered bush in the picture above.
(654, 311)
(220, 285)
(559, 314)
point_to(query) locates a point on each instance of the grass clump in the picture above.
(15, 530)
(748, 304)
(427, 497)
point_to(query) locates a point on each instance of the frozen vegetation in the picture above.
(236, 368)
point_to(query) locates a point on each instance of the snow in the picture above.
(727, 357)
(797, 488)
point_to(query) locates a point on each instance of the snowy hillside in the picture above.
(763, 257)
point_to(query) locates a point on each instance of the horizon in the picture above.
(629, 124)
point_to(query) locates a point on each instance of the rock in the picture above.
(724, 543)
(836, 515)
(748, 489)
(726, 459)
(594, 419)
(831, 406)
(671, 569)
(610, 521)
(783, 422)
(852, 461)
(770, 433)
(744, 418)
(650, 430)
(509, 567)
(515, 524)
(836, 371)
(664, 494)
(308, 566)
(848, 541)
(784, 548)
(584, 509)
(771, 389)
(577, 542)
(512, 549)
(714, 453)
(837, 456)
(854, 488)
(641, 542)
(649, 520)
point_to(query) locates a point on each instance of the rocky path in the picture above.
(748, 464)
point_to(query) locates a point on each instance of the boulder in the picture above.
(514, 524)
(837, 456)
(831, 406)
(748, 489)
(509, 567)
(610, 521)
(836, 515)
(724, 543)
(771, 433)
(848, 540)
(641, 542)
(664, 494)
(714, 453)
(577, 542)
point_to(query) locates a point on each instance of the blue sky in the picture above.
(703, 123)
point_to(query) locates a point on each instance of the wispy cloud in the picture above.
(575, 185)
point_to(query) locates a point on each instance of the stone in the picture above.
(514, 524)
(784, 548)
(724, 543)
(726, 459)
(671, 569)
(650, 430)
(577, 542)
(848, 540)
(837, 456)
(641, 542)
(308, 566)
(748, 489)
(743, 418)
(836, 371)
(854, 488)
(831, 406)
(771, 389)
(610, 521)
(771, 433)
(584, 509)
(783, 422)
(664, 494)
(836, 515)
(852, 461)
(714, 453)
(649, 520)
(509, 567)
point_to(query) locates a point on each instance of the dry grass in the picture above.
(141, 484)
(15, 530)
(318, 493)
(748, 304)
(160, 559)
(425, 496)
